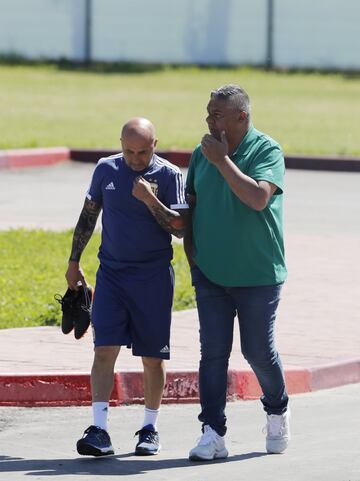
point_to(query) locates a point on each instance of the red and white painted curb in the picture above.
(21, 158)
(73, 389)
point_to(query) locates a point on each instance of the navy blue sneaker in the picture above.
(95, 442)
(149, 442)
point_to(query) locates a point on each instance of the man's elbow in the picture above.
(260, 203)
(260, 206)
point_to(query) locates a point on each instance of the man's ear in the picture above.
(243, 116)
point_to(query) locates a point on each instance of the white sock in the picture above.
(100, 414)
(150, 417)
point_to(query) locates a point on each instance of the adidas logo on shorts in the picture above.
(165, 349)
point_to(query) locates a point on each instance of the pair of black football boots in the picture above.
(76, 310)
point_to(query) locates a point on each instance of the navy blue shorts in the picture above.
(128, 310)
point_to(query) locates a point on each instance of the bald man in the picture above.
(143, 203)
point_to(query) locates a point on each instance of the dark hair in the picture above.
(234, 94)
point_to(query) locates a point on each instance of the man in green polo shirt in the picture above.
(236, 253)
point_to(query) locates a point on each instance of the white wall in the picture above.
(307, 34)
(42, 28)
(317, 34)
(179, 31)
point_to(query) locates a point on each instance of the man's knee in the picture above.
(213, 351)
(261, 358)
(152, 363)
(106, 355)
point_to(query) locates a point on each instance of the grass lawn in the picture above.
(48, 106)
(32, 268)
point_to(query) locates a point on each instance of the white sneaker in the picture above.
(210, 446)
(277, 432)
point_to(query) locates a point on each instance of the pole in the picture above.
(88, 31)
(270, 35)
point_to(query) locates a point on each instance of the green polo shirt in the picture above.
(235, 245)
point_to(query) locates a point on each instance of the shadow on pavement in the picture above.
(116, 465)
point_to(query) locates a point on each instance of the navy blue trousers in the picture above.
(255, 308)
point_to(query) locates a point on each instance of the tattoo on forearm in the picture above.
(169, 220)
(84, 228)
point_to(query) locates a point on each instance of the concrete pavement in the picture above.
(325, 446)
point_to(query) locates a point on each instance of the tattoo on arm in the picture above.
(84, 228)
(170, 220)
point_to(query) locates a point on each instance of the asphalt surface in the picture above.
(325, 446)
(316, 203)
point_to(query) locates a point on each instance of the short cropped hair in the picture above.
(234, 94)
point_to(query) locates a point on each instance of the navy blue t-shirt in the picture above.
(131, 237)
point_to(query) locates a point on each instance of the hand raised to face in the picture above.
(214, 150)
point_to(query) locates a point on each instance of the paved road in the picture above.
(319, 203)
(40, 443)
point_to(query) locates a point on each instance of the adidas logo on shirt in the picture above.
(165, 349)
(110, 186)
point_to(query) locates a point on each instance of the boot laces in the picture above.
(87, 306)
(63, 301)
(72, 302)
